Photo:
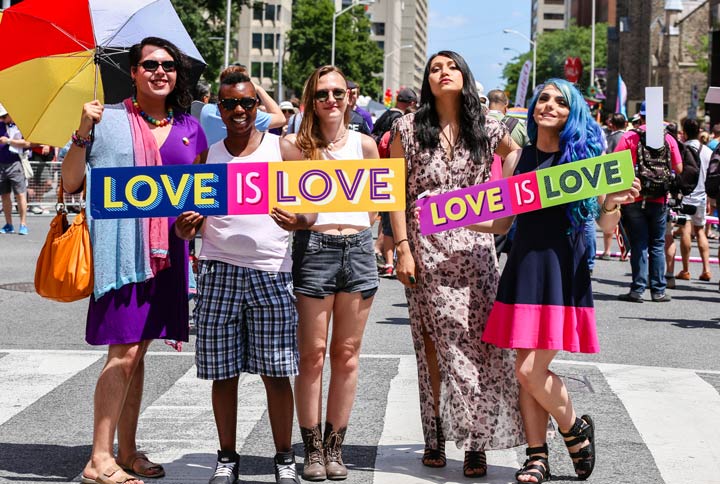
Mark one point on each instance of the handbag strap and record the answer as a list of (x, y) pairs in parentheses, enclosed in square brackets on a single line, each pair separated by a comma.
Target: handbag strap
[(61, 194)]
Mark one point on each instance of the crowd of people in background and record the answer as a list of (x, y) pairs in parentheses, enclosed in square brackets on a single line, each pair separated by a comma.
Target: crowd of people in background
[(270, 286)]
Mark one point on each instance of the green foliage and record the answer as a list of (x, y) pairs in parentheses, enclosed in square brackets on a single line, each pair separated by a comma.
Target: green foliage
[(309, 43), (700, 54), (552, 50), (204, 19)]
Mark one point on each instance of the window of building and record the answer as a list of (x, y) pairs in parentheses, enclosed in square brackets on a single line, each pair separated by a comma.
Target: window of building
[(270, 41), (554, 2), (554, 16), (381, 44), (257, 11), (378, 28), (269, 12), (255, 69), (257, 41), (268, 69)]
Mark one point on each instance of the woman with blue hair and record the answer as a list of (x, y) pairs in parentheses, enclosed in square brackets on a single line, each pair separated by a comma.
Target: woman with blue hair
[(544, 302)]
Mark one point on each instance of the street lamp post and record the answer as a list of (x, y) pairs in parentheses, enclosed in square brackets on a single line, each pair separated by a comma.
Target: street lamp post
[(228, 21), (592, 48), (534, 46), (335, 16), (387, 56)]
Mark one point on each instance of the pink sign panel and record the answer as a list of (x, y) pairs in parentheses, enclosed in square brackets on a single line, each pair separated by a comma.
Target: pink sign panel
[(247, 187)]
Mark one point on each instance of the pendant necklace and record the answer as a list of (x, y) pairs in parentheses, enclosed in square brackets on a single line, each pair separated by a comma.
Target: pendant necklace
[(331, 144), (450, 145)]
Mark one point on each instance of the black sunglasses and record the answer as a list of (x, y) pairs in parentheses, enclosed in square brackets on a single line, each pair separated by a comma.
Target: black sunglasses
[(247, 103), (323, 94), (152, 65)]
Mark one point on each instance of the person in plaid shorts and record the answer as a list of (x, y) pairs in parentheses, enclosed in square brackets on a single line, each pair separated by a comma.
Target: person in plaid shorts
[(245, 313)]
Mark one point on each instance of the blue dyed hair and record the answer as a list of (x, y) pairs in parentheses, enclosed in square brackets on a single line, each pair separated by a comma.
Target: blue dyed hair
[(580, 138)]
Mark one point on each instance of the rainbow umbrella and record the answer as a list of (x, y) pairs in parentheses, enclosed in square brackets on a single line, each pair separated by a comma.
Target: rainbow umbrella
[(517, 112), (67, 53)]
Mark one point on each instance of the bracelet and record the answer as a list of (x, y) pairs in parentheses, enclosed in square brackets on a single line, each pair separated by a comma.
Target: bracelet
[(604, 209), (400, 242), (80, 141)]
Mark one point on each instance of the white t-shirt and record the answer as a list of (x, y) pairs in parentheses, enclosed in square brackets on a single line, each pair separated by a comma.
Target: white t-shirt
[(352, 150), (698, 196), (253, 241)]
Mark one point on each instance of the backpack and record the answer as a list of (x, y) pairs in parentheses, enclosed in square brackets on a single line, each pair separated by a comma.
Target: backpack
[(690, 176), (712, 178), (653, 168), (510, 123)]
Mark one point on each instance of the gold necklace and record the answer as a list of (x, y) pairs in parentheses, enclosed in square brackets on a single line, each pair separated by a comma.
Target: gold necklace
[(331, 144)]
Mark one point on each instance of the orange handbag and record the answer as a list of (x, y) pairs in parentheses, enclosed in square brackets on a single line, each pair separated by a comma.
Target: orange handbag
[(64, 269)]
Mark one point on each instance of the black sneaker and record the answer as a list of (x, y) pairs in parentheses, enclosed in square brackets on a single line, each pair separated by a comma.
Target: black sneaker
[(285, 471), (226, 468), (664, 297), (631, 297)]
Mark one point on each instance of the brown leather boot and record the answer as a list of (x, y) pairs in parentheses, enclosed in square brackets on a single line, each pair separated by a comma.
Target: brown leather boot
[(334, 467), (314, 468)]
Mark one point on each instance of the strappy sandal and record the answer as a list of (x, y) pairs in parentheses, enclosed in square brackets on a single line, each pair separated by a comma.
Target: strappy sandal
[(436, 457), (147, 469), (475, 464), (584, 459), (115, 475), (540, 467)]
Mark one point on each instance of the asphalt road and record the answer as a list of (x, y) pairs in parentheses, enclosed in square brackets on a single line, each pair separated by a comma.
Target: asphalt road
[(45, 435)]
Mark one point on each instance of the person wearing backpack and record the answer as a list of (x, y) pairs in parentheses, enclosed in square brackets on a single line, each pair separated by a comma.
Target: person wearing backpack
[(645, 219), (693, 152)]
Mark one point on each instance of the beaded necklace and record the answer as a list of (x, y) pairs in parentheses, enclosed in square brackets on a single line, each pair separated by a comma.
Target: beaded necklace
[(157, 122)]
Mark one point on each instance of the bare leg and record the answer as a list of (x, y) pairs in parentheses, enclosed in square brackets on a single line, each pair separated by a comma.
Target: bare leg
[(128, 423), (224, 402), (110, 395), (280, 410), (685, 245), (7, 207), (607, 242), (21, 199), (703, 247), (313, 320), (350, 315), (670, 251)]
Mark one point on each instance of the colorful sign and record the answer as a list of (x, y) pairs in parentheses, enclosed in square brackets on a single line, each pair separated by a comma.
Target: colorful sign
[(527, 192), (522, 87), (248, 188)]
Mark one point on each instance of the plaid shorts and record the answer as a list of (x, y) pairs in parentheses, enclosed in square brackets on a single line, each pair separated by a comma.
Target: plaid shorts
[(246, 322)]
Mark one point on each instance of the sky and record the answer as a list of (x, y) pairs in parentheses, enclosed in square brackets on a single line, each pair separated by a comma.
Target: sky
[(474, 29)]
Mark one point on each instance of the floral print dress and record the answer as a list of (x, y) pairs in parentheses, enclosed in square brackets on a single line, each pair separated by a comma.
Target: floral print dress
[(458, 277)]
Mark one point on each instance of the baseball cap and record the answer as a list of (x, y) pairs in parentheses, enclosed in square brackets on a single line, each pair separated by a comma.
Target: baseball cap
[(642, 109), (351, 84), (3, 111), (287, 105), (407, 95)]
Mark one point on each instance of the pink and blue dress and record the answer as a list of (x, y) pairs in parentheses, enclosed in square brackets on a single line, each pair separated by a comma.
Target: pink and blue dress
[(544, 300)]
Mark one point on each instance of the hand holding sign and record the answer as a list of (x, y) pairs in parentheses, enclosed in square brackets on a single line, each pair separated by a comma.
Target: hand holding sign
[(187, 224)]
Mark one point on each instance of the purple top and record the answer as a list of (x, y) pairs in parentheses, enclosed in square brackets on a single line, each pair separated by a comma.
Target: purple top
[(157, 308), (366, 116)]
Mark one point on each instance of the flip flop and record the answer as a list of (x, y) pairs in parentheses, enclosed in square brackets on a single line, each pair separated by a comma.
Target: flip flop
[(146, 469), (120, 477), (86, 480)]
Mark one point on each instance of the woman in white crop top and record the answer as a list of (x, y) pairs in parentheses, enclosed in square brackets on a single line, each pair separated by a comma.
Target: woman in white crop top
[(334, 275)]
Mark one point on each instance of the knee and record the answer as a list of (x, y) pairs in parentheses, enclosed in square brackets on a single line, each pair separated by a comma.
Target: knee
[(127, 359), (312, 361), (276, 384), (526, 375), (344, 358)]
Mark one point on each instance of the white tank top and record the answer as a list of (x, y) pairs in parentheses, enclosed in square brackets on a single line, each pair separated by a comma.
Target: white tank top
[(253, 241), (352, 150)]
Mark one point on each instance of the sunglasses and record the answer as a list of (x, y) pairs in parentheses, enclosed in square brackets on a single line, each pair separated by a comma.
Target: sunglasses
[(290, 111), (152, 65), (323, 94), (247, 103)]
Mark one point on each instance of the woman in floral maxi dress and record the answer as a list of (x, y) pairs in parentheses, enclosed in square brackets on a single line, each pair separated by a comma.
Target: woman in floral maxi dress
[(468, 391)]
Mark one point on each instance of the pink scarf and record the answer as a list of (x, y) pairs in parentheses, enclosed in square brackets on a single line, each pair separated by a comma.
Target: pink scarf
[(146, 153)]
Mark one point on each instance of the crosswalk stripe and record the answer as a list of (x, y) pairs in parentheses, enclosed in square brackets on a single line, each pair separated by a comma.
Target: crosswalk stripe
[(26, 377), (401, 443), (676, 413)]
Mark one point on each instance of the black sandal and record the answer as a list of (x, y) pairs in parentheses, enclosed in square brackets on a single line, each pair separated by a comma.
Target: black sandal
[(475, 464), (540, 470), (584, 459), (432, 456)]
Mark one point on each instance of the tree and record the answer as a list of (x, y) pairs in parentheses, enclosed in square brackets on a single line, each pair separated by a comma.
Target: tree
[(700, 53), (552, 50), (310, 39), (205, 22)]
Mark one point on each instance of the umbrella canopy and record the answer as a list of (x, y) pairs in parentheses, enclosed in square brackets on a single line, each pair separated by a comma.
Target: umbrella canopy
[(67, 53)]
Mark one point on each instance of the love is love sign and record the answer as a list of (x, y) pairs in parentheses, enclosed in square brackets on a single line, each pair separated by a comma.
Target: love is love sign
[(248, 188), (518, 194)]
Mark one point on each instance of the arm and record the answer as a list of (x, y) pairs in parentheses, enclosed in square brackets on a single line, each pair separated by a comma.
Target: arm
[(405, 268), (18, 143), (277, 118), (504, 148), (73, 166), (675, 156), (500, 225)]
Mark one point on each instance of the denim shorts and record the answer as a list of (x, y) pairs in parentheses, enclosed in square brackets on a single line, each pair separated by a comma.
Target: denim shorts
[(326, 264)]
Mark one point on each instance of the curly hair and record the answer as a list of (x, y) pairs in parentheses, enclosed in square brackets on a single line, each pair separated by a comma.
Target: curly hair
[(580, 138), (472, 116), (181, 97)]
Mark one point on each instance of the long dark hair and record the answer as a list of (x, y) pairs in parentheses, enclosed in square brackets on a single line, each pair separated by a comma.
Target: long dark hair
[(472, 119), (181, 97)]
